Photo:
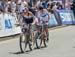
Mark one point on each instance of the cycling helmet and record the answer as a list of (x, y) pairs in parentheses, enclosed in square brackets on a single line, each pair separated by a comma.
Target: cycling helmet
[(41, 7), (22, 10)]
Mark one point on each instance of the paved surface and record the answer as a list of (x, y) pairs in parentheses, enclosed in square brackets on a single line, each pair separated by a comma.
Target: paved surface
[(62, 44)]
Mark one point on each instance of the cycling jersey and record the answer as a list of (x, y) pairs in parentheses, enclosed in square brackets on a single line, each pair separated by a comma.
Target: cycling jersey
[(28, 20), (43, 16)]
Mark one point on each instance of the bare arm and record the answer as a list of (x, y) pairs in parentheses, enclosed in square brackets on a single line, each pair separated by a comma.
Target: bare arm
[(48, 17), (32, 15)]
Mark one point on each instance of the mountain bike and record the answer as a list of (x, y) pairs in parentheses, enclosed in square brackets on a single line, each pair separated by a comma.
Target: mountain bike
[(25, 39), (40, 35)]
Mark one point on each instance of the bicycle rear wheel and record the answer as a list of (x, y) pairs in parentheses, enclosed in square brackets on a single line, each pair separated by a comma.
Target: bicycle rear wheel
[(43, 40)]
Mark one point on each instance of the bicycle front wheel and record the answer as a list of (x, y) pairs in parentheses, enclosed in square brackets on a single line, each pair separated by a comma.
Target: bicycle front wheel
[(22, 42), (37, 39)]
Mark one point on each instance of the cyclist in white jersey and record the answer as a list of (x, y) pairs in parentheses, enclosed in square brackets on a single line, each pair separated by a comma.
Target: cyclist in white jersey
[(43, 16)]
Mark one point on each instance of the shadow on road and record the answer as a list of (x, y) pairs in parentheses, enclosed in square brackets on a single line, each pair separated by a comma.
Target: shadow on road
[(16, 52), (27, 52), (19, 52), (40, 48)]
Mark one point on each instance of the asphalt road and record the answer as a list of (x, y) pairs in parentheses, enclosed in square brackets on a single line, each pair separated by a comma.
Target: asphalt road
[(61, 44)]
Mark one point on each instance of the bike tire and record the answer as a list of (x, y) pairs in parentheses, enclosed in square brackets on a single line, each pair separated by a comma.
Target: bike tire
[(23, 43), (42, 40), (37, 40), (29, 42)]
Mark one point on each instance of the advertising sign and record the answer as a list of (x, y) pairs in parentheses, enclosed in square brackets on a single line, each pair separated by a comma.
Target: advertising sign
[(66, 16), (7, 25)]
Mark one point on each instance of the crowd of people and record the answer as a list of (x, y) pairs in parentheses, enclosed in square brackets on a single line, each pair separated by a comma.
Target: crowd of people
[(18, 5)]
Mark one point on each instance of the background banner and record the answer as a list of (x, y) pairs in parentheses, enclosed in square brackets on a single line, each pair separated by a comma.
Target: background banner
[(7, 25), (66, 16)]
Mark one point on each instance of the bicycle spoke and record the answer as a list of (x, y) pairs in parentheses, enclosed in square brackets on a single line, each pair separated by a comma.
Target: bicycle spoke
[(23, 42)]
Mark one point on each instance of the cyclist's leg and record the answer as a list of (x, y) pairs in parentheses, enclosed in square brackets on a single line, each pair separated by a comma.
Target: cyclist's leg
[(32, 35), (46, 31), (31, 31)]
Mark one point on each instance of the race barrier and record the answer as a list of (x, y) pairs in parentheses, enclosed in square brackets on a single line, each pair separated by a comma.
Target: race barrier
[(7, 25), (67, 17), (52, 21)]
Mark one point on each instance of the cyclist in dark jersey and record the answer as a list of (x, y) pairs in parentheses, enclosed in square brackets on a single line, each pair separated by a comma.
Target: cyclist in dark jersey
[(27, 18)]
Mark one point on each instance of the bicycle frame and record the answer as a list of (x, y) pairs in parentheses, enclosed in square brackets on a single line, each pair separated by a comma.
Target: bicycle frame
[(43, 27), (26, 32)]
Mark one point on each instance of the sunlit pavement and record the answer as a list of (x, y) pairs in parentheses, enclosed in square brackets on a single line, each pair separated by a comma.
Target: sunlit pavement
[(61, 44)]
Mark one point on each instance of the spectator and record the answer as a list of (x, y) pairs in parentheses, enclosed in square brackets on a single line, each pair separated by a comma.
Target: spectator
[(12, 6), (5, 5), (49, 7), (0, 11), (54, 7), (29, 3), (59, 6), (39, 3), (1, 5), (56, 13), (73, 6), (22, 4), (46, 3), (50, 2)]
